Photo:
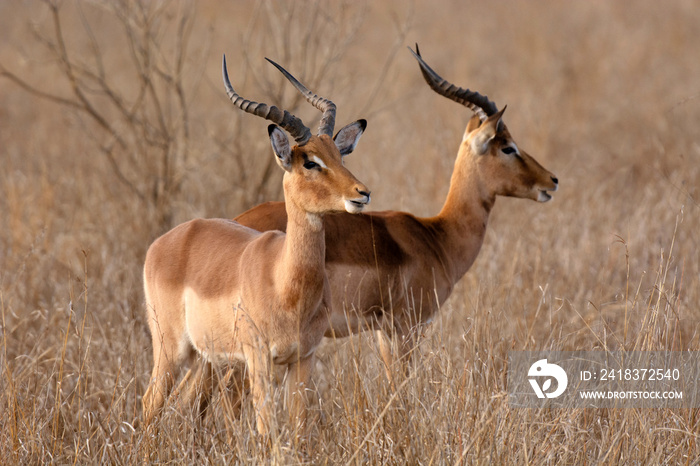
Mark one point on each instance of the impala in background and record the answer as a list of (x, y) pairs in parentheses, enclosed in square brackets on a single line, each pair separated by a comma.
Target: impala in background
[(392, 270)]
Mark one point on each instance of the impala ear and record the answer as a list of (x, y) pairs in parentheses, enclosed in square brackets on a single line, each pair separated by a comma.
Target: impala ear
[(281, 147), (486, 132), (347, 138), (473, 124)]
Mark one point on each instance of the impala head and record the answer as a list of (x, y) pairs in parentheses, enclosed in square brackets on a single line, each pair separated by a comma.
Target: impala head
[(508, 170), (315, 178)]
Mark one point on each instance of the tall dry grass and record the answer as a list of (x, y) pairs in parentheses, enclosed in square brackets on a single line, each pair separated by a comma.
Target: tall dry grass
[(604, 94)]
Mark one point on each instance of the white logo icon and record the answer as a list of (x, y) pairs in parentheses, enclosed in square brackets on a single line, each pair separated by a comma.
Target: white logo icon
[(542, 368)]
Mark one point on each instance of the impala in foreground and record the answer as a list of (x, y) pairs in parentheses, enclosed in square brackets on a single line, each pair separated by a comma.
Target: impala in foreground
[(235, 295)]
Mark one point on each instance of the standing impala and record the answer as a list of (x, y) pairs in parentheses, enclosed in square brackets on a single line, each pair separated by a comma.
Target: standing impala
[(391, 271), (230, 293)]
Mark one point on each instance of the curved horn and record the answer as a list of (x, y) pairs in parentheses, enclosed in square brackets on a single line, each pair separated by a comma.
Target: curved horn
[(326, 106), (479, 104), (293, 125)]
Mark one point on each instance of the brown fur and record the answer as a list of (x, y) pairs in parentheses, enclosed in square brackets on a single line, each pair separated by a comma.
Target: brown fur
[(230, 293)]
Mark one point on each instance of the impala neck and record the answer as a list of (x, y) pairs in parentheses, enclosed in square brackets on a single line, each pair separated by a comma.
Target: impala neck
[(304, 253), (464, 216)]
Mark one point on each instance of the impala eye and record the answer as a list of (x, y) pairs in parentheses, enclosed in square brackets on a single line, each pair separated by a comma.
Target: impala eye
[(310, 165), (509, 150)]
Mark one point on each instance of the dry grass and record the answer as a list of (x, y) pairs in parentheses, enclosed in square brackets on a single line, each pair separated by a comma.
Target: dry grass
[(604, 94)]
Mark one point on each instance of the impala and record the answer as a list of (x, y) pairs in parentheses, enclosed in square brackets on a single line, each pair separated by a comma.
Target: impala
[(230, 293), (390, 271)]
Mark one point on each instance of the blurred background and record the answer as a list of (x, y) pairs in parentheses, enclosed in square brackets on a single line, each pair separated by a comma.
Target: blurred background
[(115, 127)]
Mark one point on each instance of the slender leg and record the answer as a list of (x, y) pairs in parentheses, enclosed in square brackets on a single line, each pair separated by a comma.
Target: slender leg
[(387, 354), (162, 380), (258, 362), (201, 381), (397, 348), (192, 373), (232, 387), (298, 380), (197, 388)]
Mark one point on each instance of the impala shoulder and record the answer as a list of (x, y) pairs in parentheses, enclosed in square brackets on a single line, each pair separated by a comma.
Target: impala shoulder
[(414, 234), (199, 226), (401, 222), (174, 240), (263, 244)]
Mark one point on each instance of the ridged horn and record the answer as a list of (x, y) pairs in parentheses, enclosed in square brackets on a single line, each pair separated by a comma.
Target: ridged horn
[(479, 104), (326, 106), (293, 125)]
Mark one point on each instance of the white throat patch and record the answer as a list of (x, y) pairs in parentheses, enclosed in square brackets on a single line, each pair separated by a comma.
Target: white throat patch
[(314, 220)]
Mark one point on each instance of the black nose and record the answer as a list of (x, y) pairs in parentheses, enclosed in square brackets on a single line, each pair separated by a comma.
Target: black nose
[(556, 180), (364, 193)]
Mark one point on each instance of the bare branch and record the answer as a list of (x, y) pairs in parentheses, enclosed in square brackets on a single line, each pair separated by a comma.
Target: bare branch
[(36, 92), (403, 27)]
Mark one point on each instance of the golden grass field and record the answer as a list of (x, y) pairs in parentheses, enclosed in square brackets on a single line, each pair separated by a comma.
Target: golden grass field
[(604, 94)]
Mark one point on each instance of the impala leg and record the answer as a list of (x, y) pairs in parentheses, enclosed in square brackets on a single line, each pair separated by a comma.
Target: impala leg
[(182, 387), (258, 363), (196, 389), (165, 369), (387, 354), (233, 386), (298, 379), (184, 382), (396, 348)]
